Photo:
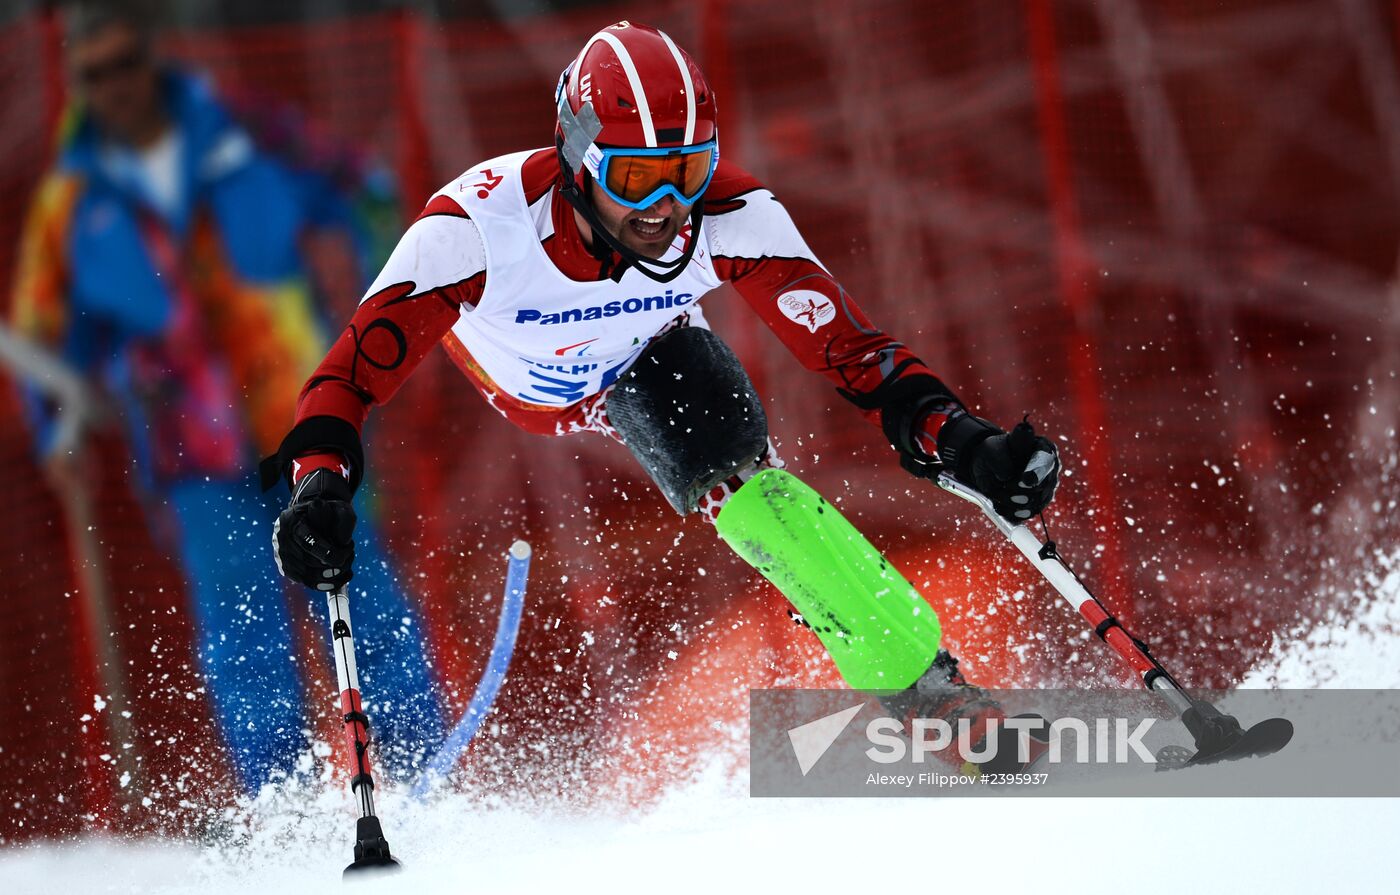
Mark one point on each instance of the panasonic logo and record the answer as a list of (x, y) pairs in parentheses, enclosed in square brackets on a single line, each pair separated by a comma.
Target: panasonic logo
[(611, 309)]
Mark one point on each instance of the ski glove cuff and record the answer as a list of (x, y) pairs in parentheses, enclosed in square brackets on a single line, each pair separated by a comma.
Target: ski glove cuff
[(1017, 470), (906, 404), (315, 434), (312, 539)]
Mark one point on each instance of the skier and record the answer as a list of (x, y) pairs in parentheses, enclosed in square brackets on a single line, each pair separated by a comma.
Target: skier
[(566, 284)]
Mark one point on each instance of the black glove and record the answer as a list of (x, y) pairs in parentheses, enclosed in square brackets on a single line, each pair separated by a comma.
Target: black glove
[(312, 538), (1018, 470)]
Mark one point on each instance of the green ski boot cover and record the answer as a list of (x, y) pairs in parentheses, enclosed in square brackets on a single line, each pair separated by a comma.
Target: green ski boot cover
[(878, 629)]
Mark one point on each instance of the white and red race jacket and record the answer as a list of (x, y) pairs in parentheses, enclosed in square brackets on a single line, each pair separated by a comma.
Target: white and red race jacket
[(539, 336), (496, 271)]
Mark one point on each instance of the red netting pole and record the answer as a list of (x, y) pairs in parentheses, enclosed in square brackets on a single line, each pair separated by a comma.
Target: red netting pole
[(1397, 27), (1074, 278), (54, 86), (718, 65), (717, 61), (415, 161)]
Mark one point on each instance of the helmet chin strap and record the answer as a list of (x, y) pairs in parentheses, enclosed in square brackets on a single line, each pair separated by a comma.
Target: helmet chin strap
[(652, 268)]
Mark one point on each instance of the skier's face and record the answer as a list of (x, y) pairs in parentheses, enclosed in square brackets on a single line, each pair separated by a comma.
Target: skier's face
[(649, 232)]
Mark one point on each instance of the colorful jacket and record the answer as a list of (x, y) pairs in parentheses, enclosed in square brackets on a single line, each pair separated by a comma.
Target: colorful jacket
[(201, 324)]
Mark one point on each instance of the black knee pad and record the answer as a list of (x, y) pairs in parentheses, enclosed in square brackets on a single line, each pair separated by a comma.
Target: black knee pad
[(689, 414)]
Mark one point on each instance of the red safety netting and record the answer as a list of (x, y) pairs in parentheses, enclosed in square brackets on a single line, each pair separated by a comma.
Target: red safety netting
[(1167, 230)]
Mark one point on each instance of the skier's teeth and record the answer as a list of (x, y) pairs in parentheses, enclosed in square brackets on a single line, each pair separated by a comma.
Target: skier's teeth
[(651, 220)]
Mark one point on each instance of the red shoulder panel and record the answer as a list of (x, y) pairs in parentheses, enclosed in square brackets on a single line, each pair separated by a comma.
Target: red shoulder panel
[(539, 174), (441, 205), (730, 182)]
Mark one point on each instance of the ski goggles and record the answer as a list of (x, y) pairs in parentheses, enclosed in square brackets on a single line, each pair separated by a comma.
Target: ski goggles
[(638, 178)]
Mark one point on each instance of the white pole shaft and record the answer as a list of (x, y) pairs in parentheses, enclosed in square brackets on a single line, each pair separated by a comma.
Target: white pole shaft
[(348, 679), (1025, 541), (1064, 583), (343, 641)]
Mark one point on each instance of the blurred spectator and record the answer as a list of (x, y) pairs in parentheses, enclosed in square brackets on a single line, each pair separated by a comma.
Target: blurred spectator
[(163, 259)]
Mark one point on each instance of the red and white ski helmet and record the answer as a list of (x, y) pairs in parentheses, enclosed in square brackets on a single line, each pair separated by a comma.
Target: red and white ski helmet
[(630, 86)]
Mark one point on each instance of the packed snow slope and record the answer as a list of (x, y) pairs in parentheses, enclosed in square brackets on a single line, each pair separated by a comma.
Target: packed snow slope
[(707, 835)]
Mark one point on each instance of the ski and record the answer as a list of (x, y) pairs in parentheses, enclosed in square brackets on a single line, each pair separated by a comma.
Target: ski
[(1264, 738)]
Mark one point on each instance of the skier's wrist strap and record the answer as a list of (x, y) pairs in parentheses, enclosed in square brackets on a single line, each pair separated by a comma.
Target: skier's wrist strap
[(959, 439), (903, 402), (315, 433)]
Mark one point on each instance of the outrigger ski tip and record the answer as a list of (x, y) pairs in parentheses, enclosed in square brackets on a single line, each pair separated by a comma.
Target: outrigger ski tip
[(1264, 738), (370, 867), (372, 857)]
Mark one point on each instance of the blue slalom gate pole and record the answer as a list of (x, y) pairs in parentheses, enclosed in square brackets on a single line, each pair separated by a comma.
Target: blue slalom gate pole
[(517, 572)]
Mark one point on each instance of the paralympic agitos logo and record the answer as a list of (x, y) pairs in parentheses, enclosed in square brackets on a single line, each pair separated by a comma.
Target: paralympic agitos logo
[(610, 309)]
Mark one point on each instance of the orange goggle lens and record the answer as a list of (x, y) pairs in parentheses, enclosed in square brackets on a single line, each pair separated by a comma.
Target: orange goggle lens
[(633, 178)]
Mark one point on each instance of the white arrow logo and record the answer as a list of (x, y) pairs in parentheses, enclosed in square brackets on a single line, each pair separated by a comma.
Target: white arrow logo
[(811, 740)]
